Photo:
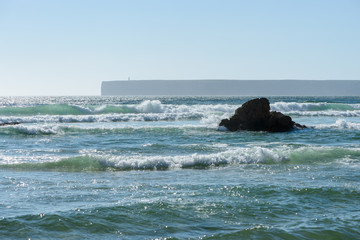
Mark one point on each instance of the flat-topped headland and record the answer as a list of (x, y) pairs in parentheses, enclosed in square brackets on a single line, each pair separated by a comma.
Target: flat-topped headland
[(231, 87)]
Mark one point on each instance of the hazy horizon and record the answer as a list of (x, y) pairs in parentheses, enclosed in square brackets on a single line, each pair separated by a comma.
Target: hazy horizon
[(70, 47), (225, 87)]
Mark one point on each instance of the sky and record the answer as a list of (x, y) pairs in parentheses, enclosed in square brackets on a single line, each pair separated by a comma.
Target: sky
[(69, 47)]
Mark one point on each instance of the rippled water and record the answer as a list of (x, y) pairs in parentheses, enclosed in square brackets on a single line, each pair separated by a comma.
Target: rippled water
[(148, 168)]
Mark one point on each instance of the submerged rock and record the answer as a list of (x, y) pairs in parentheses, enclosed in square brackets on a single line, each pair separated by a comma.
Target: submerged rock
[(255, 115), (7, 124)]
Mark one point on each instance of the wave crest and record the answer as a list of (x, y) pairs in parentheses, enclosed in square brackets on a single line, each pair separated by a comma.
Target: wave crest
[(340, 124), (237, 156), (296, 106)]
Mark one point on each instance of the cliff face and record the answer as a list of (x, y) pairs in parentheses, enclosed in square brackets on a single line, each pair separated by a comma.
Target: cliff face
[(231, 87)]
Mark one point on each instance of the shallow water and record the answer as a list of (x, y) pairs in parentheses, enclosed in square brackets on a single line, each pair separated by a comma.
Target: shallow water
[(147, 168)]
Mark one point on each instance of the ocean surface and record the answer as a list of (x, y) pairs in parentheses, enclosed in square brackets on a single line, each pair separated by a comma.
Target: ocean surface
[(159, 168)]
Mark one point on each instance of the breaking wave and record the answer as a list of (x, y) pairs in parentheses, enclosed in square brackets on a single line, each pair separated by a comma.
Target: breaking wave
[(147, 106), (317, 109), (340, 124), (295, 106), (148, 110), (206, 124), (237, 156), (155, 110), (49, 129)]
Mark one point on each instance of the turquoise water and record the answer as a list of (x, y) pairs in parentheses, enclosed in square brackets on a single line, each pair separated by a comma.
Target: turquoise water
[(156, 168)]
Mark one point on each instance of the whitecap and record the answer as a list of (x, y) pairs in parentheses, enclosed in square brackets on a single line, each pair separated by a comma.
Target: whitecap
[(150, 106), (340, 124), (38, 130)]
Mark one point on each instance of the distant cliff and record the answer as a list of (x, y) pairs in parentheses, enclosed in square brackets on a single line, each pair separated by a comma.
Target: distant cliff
[(231, 87)]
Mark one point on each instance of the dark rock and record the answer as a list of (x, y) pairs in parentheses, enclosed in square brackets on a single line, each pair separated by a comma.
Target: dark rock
[(299, 126), (7, 124), (279, 122), (255, 115)]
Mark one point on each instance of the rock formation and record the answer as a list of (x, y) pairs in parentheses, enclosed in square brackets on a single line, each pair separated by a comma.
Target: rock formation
[(255, 115)]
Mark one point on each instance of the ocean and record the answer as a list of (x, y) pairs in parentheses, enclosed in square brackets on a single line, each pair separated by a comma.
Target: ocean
[(160, 168)]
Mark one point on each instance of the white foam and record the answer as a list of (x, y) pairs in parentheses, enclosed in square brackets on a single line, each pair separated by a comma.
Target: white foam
[(154, 110), (218, 108), (100, 109), (330, 113), (150, 106), (340, 124), (317, 109), (212, 120), (37, 130), (294, 106), (232, 156), (112, 117), (148, 110), (82, 109)]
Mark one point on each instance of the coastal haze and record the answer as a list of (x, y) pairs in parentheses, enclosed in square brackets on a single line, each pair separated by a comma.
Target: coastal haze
[(231, 88)]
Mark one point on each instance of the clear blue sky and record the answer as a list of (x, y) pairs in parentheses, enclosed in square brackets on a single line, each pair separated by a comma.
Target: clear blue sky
[(68, 47)]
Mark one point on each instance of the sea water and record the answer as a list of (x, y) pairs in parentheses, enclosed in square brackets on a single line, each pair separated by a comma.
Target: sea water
[(160, 168)]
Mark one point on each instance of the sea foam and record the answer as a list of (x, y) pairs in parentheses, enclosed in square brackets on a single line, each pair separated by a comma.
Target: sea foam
[(155, 110), (150, 106), (340, 124), (298, 106), (317, 109), (235, 156)]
